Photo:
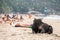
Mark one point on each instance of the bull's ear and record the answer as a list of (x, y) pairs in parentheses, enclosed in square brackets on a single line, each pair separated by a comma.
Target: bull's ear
[(40, 20), (34, 20)]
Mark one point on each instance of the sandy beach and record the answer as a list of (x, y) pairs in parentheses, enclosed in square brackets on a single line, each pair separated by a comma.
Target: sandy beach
[(29, 19), (8, 32)]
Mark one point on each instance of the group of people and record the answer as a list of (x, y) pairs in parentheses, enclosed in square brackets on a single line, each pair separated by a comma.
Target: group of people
[(26, 21), (17, 19)]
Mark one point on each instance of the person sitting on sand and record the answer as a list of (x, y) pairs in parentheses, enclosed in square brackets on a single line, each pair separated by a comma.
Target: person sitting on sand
[(8, 20), (13, 16), (1, 20), (21, 18), (29, 16)]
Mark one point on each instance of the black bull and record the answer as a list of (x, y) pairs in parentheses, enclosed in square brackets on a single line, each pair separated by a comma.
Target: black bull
[(41, 27)]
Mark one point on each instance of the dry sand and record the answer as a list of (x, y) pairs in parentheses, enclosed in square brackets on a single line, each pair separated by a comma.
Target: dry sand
[(55, 24), (8, 32)]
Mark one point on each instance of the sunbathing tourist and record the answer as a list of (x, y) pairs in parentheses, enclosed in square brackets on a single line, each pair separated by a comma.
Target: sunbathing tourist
[(1, 21), (7, 19), (29, 16), (21, 18)]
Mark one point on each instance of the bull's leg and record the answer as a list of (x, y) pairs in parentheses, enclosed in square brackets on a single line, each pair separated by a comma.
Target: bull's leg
[(42, 30), (50, 30), (33, 32)]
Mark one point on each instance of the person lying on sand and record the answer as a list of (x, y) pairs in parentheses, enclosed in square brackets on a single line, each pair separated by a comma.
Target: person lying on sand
[(22, 25)]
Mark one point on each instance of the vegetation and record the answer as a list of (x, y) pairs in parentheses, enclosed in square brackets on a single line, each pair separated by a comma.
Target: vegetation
[(23, 6)]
